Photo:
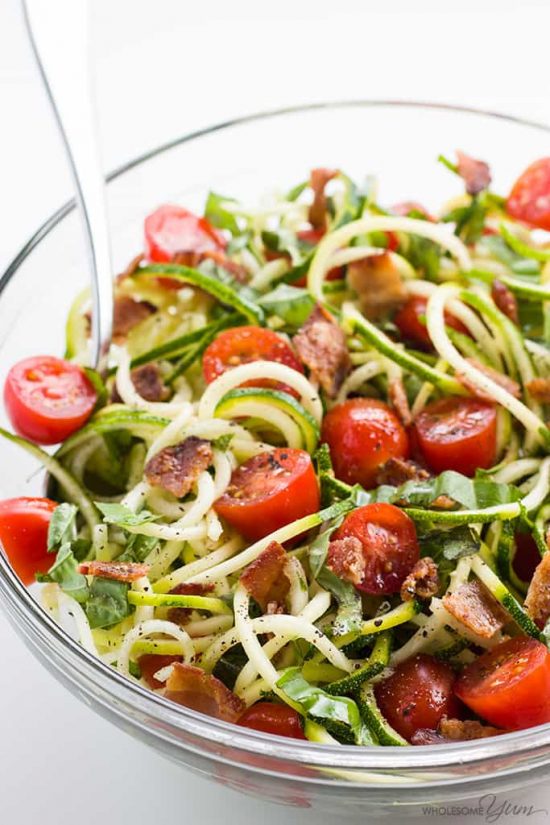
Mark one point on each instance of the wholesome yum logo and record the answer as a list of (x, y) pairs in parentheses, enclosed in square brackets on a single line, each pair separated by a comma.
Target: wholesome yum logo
[(490, 808)]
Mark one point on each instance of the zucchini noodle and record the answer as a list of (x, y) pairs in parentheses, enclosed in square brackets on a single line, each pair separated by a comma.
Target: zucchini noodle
[(146, 629)]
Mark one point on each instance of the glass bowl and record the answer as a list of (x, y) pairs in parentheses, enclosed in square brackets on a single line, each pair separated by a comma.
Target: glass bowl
[(399, 143)]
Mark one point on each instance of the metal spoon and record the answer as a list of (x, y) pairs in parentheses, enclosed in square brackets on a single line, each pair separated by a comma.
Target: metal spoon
[(58, 31)]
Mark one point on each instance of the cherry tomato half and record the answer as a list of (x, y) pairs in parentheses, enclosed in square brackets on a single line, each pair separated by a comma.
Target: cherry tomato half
[(509, 686), (362, 434), (529, 200), (410, 321), (269, 717), (269, 491), (151, 663), (417, 695), (47, 399), (172, 229), (457, 434), (390, 546), (24, 526), (241, 345)]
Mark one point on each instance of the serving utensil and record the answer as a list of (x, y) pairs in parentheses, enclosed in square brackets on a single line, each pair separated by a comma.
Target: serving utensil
[(58, 31)]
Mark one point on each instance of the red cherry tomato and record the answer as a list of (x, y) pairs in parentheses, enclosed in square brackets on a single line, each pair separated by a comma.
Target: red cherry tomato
[(47, 399), (417, 695), (151, 663), (172, 229), (410, 321), (242, 345), (457, 434), (529, 200), (362, 434), (268, 717), (390, 546), (24, 526), (509, 686), (269, 491), (526, 556)]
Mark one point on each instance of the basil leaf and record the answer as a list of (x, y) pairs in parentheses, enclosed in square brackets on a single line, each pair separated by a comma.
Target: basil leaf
[(349, 616), (62, 525), (218, 215), (138, 547), (451, 544), (108, 602), (81, 548), (222, 442), (341, 711), (123, 516), (292, 304), (65, 572), (498, 247), (283, 240), (470, 493)]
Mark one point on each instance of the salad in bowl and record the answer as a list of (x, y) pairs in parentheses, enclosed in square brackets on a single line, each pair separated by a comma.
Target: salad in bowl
[(309, 493)]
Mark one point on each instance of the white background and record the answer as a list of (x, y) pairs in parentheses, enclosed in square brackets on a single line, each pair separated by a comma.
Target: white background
[(164, 67)]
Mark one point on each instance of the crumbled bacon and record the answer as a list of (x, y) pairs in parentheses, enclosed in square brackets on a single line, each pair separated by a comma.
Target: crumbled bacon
[(194, 688), (127, 314), (399, 401), (474, 607), (151, 663), (177, 468), (120, 571), (475, 173), (131, 269), (537, 600), (443, 502), (422, 582), (505, 300), (462, 730), (397, 471), (346, 559), (427, 736), (499, 378), (318, 209), (192, 259), (148, 382), (539, 389), (321, 345), (454, 730), (180, 615), (265, 578), (378, 284)]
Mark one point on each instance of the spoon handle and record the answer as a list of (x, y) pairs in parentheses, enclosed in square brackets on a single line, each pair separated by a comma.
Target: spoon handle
[(58, 31)]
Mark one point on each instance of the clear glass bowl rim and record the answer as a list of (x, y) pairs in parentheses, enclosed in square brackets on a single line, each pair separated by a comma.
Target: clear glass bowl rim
[(168, 715)]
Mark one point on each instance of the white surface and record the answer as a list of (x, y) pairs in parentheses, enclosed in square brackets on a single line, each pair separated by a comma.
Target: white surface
[(165, 67)]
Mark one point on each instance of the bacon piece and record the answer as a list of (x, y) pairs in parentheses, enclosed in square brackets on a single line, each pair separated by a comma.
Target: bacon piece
[(505, 300), (192, 259), (318, 209), (131, 269), (346, 559), (151, 663), (475, 173), (192, 687), (499, 378), (399, 401), (397, 471), (464, 730), (537, 600), (454, 730), (443, 502), (539, 389), (180, 615), (148, 382), (321, 345), (422, 582), (474, 607), (265, 579), (378, 284), (120, 571), (427, 736), (177, 468), (127, 314)]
